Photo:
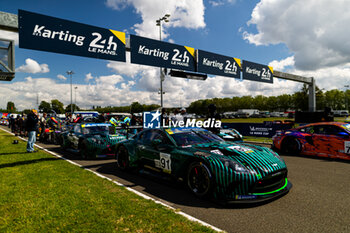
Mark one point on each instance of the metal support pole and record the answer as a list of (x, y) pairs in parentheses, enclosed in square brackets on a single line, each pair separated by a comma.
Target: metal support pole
[(71, 91), (160, 69), (71, 95), (312, 96), (161, 75)]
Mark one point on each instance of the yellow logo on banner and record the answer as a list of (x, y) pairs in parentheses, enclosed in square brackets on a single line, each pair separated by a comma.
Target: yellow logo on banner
[(271, 69), (190, 50), (238, 61), (119, 35)]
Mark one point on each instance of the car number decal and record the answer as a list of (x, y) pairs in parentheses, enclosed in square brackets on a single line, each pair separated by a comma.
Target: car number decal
[(164, 162), (347, 147), (241, 149), (217, 152)]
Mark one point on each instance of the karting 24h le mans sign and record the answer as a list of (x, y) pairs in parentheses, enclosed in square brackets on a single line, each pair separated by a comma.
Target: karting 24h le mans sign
[(211, 63), (257, 72), (150, 52), (41, 32)]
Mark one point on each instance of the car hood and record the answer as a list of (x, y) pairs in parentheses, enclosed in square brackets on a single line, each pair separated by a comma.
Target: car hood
[(253, 157)]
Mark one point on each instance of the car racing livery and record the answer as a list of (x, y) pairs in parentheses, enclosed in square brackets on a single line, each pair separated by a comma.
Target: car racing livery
[(230, 135), (326, 139), (210, 166), (92, 140)]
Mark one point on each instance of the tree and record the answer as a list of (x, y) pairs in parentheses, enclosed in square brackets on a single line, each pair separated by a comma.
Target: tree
[(44, 106), (136, 107), (57, 106), (11, 107), (284, 102), (75, 108)]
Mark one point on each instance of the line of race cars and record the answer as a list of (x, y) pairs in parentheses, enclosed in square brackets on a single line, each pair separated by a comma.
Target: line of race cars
[(229, 171), (219, 165)]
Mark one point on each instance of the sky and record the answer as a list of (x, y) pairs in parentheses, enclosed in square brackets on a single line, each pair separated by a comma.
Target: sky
[(308, 38)]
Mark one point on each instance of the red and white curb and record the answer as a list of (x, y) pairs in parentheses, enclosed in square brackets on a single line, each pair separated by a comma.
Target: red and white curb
[(189, 217)]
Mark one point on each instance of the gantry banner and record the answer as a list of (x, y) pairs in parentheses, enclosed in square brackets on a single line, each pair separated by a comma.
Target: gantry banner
[(211, 63), (46, 33), (157, 53), (257, 72)]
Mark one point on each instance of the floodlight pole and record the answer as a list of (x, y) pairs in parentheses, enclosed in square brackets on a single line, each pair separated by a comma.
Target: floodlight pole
[(75, 101), (159, 23), (71, 91)]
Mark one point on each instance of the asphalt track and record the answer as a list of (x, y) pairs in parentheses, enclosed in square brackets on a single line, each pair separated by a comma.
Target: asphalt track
[(318, 202)]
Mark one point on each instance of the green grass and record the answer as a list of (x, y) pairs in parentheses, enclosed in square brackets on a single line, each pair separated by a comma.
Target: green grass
[(39, 193), (257, 139)]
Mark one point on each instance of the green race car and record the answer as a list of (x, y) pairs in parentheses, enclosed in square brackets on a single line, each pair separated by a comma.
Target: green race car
[(209, 166), (91, 140)]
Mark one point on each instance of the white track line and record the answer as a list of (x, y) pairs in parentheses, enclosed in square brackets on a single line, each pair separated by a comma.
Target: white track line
[(189, 217)]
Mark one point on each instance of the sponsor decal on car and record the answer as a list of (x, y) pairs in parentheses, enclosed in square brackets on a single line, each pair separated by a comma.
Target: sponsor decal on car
[(347, 147), (164, 162), (242, 197), (240, 148)]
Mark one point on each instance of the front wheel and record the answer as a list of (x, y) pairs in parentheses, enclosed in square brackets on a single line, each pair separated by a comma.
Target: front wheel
[(122, 157), (199, 179), (291, 146)]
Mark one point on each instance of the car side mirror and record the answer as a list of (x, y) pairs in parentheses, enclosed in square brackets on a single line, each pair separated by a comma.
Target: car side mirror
[(156, 142)]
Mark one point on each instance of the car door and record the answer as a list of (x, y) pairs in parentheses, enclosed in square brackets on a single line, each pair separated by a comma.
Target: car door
[(142, 148), (320, 140), (74, 136), (157, 149)]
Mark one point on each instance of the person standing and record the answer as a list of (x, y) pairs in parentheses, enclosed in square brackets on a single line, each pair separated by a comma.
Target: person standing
[(43, 125), (32, 126)]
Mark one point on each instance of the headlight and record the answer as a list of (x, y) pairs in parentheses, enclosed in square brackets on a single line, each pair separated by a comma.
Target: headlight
[(95, 140), (234, 166)]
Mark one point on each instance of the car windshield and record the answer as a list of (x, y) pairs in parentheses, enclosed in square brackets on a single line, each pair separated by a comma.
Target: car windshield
[(347, 127), (193, 137), (103, 129)]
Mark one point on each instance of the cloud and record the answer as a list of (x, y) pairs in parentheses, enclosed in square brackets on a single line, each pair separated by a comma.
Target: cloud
[(105, 92), (315, 31), (126, 68), (221, 2), (33, 67), (117, 4), (282, 64), (115, 90), (88, 77), (186, 13), (327, 78), (61, 77)]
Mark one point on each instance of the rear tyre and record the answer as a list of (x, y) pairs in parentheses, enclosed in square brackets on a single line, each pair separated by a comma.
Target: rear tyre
[(291, 146), (199, 179), (122, 157)]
